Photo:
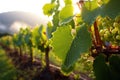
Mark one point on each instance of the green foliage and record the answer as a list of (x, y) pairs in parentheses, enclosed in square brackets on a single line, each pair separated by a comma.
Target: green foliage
[(91, 10), (115, 67), (55, 21), (68, 2), (52, 1), (49, 30), (36, 35), (89, 16), (27, 37), (68, 47), (49, 8), (111, 9), (66, 12), (85, 65), (107, 71), (61, 41), (7, 70), (80, 44), (39, 37), (68, 21), (18, 39), (101, 69), (63, 37)]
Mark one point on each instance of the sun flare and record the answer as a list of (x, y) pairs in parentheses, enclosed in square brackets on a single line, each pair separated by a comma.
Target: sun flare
[(34, 6)]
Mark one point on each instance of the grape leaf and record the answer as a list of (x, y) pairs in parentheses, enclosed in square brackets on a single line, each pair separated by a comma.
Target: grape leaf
[(52, 1), (115, 67), (66, 70), (27, 37), (80, 44), (19, 40), (55, 20), (90, 11), (61, 41), (49, 30), (72, 23), (49, 8), (66, 13), (36, 36), (67, 20), (115, 62), (90, 16), (111, 9), (68, 2), (101, 69)]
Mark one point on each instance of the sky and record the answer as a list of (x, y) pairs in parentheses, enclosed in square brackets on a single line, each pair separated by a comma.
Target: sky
[(34, 6)]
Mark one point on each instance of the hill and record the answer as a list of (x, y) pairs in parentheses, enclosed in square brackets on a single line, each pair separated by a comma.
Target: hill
[(11, 21)]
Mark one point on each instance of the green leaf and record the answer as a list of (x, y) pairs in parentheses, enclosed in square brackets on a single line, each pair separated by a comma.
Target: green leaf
[(19, 40), (91, 5), (27, 37), (80, 44), (55, 21), (72, 23), (36, 36), (115, 63), (111, 9), (67, 20), (52, 1), (68, 2), (61, 41), (90, 11), (115, 67), (49, 30), (101, 69), (66, 70), (49, 8), (90, 16), (66, 13)]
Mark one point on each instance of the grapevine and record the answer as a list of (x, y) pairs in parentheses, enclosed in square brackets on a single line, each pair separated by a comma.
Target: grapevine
[(94, 32)]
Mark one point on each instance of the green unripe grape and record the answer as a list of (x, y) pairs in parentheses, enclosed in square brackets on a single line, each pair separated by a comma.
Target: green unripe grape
[(105, 30), (101, 32), (103, 24), (115, 24), (111, 28), (102, 38), (119, 32), (106, 36), (117, 19), (108, 33), (118, 37), (114, 31)]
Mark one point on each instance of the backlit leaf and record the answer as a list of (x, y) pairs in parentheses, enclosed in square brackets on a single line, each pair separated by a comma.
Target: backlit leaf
[(80, 44), (61, 41)]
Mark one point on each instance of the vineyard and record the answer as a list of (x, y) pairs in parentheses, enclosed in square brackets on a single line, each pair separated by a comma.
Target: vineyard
[(83, 46)]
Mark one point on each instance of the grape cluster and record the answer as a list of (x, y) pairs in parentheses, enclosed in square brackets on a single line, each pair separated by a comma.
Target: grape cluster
[(109, 30)]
